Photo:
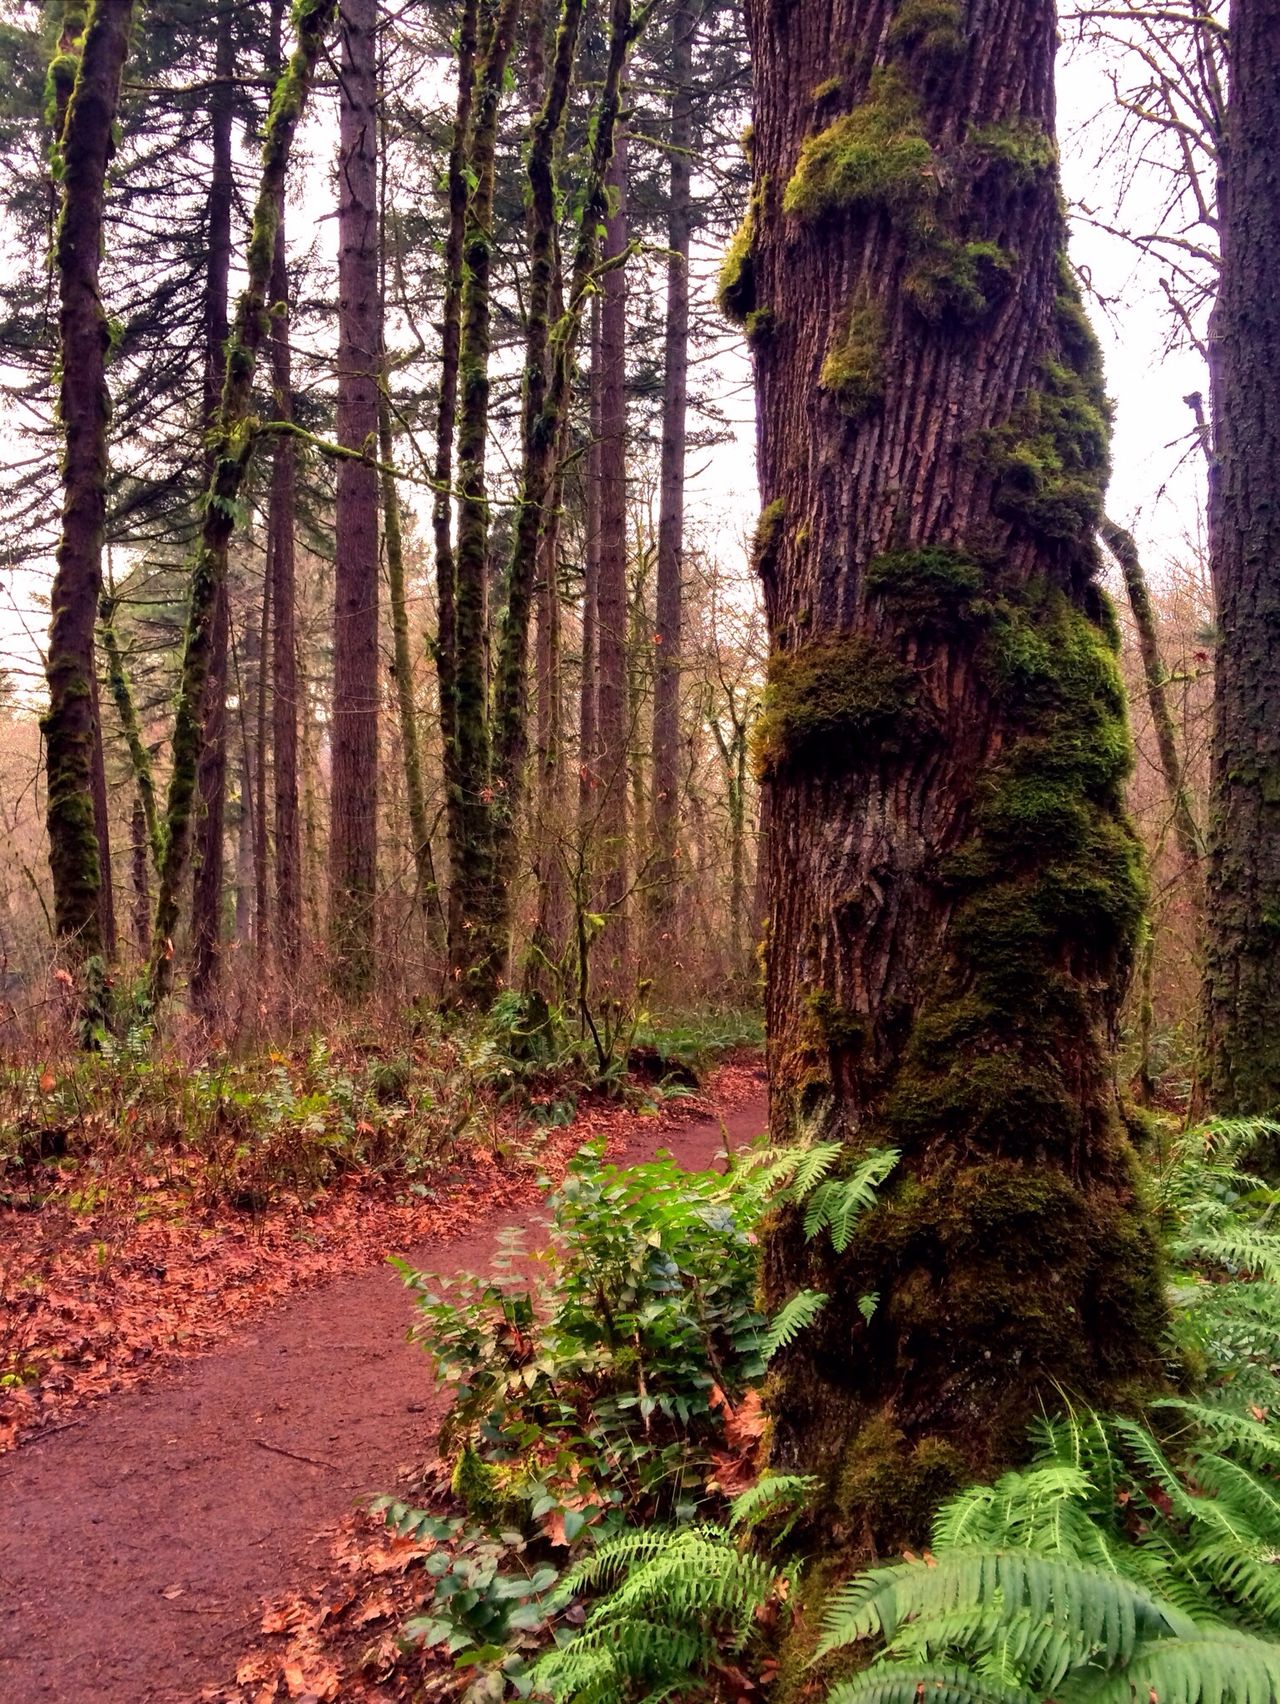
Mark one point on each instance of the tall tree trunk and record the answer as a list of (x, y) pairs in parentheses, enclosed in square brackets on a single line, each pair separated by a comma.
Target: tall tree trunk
[(1243, 913), (85, 146), (446, 420), (261, 886), (211, 775), (141, 893), (102, 826), (675, 398), (232, 448), (287, 921), (353, 814), (122, 696), (548, 379), (472, 961), (611, 592), (588, 754), (552, 920), (955, 887)]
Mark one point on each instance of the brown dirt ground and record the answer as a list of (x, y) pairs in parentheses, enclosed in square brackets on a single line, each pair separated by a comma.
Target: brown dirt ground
[(137, 1547)]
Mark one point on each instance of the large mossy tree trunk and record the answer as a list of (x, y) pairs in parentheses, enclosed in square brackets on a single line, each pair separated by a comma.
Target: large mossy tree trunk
[(955, 887), (1243, 912), (353, 817), (84, 145)]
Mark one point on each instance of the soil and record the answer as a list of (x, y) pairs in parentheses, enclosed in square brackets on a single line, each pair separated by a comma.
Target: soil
[(138, 1544)]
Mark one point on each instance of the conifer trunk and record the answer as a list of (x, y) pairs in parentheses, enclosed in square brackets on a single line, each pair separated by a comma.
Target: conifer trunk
[(955, 887), (588, 754), (446, 420), (287, 919), (211, 779), (612, 730), (232, 448), (675, 402), (472, 947), (1243, 913), (70, 726), (102, 826), (353, 815)]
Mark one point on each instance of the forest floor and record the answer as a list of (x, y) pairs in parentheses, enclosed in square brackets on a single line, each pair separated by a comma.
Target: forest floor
[(177, 1504)]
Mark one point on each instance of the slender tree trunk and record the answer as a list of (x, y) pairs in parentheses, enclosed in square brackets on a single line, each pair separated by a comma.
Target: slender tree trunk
[(472, 961), (446, 418), (551, 925), (588, 754), (353, 814), (287, 923), (211, 777), (670, 591), (955, 887), (261, 888), (102, 827), (548, 377), (126, 710), (611, 592), (232, 448), (141, 892), (1243, 913), (1185, 828), (70, 725)]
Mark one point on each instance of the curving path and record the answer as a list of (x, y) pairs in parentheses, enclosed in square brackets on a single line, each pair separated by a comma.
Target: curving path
[(136, 1547)]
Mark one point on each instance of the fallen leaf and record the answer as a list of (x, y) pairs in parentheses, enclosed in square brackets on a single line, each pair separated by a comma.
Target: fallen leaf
[(172, 1592)]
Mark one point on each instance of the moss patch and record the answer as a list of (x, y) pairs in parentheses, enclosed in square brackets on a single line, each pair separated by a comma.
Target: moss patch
[(959, 282), (1019, 153), (836, 704), (767, 543), (853, 372), (929, 32), (736, 286), (1052, 460), (930, 589), (875, 157)]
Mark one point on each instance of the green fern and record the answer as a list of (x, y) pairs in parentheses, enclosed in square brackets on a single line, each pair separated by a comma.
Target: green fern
[(836, 1204), (792, 1318), (773, 1494)]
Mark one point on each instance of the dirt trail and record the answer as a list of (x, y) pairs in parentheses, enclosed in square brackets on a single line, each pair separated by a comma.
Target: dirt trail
[(135, 1548)]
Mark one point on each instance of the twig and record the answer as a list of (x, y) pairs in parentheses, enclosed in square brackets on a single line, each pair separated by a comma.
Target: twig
[(295, 1455)]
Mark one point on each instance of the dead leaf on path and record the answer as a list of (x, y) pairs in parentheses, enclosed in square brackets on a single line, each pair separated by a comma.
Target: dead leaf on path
[(257, 1666), (172, 1592), (374, 1608), (287, 1615)]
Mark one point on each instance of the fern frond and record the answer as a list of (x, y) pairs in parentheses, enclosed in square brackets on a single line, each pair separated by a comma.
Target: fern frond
[(770, 1495), (1100, 1610), (1198, 1668), (939, 1683), (837, 1203), (812, 1165), (792, 1318), (1252, 1440)]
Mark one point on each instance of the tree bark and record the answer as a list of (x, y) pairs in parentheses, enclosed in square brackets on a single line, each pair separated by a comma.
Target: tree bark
[(102, 826), (232, 448), (211, 776), (353, 819), (612, 731), (472, 965), (955, 887), (588, 687), (141, 892), (446, 420), (1243, 911), (70, 729), (675, 399), (261, 848)]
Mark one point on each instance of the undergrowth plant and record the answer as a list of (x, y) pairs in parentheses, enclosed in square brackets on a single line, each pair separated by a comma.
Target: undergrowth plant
[(1132, 1562)]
